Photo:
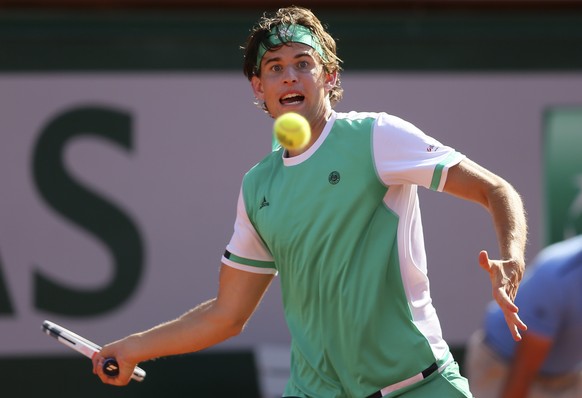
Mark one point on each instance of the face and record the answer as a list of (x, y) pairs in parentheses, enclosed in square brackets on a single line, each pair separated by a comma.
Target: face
[(293, 79)]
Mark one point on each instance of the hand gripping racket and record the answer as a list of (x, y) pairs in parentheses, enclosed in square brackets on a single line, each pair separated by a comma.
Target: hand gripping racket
[(87, 348)]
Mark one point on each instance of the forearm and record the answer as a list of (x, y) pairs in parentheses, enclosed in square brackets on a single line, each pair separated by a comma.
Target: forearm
[(508, 214), (529, 356), (470, 181), (522, 372), (207, 324), (197, 329), (515, 388)]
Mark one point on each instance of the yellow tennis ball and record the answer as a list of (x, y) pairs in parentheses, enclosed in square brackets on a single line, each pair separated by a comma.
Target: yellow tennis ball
[(292, 131)]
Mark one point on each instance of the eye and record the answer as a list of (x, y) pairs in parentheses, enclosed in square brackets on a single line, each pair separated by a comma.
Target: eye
[(303, 64), (276, 68)]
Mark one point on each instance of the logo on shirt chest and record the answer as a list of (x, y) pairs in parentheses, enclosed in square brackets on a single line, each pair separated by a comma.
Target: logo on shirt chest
[(334, 177), (264, 203)]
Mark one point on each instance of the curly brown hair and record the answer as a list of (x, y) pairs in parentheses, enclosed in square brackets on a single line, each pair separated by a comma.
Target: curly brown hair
[(292, 16)]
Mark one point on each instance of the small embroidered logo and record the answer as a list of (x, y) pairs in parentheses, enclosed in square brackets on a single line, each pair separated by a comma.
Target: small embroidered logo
[(264, 203), (334, 177)]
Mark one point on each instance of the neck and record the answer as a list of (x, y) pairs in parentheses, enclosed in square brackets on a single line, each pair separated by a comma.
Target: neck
[(317, 127)]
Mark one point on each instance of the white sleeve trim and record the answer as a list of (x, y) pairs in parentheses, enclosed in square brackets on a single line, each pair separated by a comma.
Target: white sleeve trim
[(248, 268)]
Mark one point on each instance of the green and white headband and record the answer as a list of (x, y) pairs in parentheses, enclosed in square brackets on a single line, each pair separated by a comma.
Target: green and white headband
[(295, 33)]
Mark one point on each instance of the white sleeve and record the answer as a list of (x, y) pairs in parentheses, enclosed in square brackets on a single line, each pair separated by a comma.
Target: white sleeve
[(403, 154), (246, 250)]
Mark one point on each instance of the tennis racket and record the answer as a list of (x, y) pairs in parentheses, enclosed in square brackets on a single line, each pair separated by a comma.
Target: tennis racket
[(87, 348)]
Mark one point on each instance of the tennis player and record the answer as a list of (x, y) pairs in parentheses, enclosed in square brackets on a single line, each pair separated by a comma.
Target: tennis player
[(339, 222)]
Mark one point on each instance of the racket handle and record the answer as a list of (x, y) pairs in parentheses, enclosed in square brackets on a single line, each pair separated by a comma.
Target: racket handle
[(110, 367)]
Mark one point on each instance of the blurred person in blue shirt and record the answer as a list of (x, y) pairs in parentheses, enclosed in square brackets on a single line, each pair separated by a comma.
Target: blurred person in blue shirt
[(548, 361)]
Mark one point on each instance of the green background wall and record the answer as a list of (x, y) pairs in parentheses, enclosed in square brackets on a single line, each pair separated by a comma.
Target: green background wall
[(437, 40)]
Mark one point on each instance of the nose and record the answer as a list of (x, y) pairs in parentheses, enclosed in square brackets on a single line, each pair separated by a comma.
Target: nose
[(290, 76)]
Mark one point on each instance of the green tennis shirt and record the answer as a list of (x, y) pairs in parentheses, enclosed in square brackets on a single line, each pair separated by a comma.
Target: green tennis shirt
[(341, 226)]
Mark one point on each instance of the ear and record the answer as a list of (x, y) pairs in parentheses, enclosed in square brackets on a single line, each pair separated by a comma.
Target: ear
[(257, 87), (330, 81)]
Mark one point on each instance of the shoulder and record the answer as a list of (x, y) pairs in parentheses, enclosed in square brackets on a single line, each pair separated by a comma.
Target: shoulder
[(267, 162), (380, 123), (380, 118), (264, 168)]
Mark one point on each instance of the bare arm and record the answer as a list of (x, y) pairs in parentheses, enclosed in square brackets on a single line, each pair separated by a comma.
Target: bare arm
[(209, 323), (469, 181), (529, 357)]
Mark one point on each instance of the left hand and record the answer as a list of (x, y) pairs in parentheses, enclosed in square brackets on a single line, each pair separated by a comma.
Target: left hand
[(505, 276)]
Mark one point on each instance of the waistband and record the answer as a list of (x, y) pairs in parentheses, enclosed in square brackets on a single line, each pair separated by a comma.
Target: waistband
[(433, 367)]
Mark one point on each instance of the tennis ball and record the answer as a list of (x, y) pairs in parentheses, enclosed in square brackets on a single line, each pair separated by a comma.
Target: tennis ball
[(292, 131)]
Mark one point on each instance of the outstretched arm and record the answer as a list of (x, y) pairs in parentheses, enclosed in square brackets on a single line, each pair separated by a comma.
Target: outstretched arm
[(469, 181), (209, 323)]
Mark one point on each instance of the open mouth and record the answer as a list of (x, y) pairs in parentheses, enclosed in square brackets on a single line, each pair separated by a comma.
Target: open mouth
[(292, 99)]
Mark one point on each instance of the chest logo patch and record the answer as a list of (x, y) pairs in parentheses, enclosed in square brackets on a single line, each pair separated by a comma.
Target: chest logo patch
[(264, 203), (334, 177)]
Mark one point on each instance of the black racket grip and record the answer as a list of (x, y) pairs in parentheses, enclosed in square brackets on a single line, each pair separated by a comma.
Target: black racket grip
[(110, 367)]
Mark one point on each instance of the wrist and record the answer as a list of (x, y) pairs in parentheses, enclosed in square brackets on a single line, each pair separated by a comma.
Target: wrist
[(134, 349)]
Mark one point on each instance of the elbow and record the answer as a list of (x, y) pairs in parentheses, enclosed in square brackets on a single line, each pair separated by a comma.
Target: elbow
[(498, 192), (234, 327), (232, 324)]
